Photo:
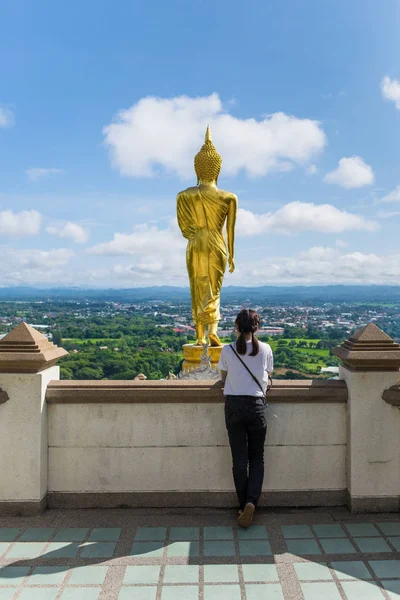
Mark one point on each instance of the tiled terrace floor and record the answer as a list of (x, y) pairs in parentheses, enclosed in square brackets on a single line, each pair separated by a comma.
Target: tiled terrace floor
[(158, 555)]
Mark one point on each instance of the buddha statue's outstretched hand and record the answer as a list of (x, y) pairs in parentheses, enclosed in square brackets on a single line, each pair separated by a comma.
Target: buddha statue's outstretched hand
[(231, 264)]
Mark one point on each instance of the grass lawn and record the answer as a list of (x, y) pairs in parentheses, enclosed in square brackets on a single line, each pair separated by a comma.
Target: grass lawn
[(314, 366), (274, 343), (313, 351), (78, 341)]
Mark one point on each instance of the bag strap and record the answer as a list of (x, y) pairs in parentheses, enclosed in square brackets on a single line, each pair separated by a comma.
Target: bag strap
[(248, 370)]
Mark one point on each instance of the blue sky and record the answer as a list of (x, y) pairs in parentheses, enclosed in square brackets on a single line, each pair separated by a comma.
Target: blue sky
[(103, 105)]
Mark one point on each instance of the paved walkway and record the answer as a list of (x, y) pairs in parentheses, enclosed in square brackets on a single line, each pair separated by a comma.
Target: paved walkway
[(158, 555)]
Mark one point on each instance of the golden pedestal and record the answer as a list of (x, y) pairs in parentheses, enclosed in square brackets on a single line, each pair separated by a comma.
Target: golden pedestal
[(192, 356)]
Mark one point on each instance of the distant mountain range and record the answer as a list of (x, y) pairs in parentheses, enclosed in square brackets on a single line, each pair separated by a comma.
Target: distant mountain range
[(303, 294)]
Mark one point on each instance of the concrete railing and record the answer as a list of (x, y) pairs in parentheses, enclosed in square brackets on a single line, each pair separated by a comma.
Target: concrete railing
[(164, 443), (71, 392)]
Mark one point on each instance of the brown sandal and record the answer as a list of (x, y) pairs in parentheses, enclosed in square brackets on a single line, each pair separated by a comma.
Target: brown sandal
[(246, 517)]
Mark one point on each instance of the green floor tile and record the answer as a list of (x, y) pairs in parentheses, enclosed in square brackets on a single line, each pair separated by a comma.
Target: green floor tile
[(8, 534), (4, 546), (365, 590), (38, 594), (301, 547), (353, 569), (26, 550), (105, 534), (385, 569), (99, 550), (219, 548), (185, 533), (36, 534), (221, 574), (186, 549), (390, 528), (139, 593), (142, 574), (297, 531), (312, 572), (81, 594), (362, 530), (48, 575), (181, 574), (183, 592), (393, 588), (395, 541), (151, 534), (88, 575), (261, 573), (329, 531), (338, 546), (271, 591), (6, 594), (373, 545), (321, 591), (76, 534), (254, 548), (220, 592), (256, 532), (147, 549), (62, 550), (13, 575), (218, 533)]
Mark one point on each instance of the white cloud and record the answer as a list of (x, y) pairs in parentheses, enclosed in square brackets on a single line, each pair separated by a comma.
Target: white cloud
[(69, 230), (6, 117), (156, 255), (34, 259), (302, 216), (341, 244), (166, 133), (34, 267), (154, 270), (149, 240), (153, 256), (320, 266), (393, 196), (391, 90), (145, 240), (26, 222), (316, 266), (352, 172), (35, 174)]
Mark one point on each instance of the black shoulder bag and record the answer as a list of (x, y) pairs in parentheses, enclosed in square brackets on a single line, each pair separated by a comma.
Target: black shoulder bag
[(254, 377)]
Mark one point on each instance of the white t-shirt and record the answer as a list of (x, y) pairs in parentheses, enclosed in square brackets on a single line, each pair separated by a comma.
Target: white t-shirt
[(238, 381)]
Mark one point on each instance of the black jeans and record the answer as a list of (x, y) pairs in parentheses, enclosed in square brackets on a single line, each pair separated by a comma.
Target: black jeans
[(246, 422)]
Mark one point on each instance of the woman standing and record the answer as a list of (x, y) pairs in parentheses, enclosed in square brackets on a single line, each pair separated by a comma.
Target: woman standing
[(245, 366)]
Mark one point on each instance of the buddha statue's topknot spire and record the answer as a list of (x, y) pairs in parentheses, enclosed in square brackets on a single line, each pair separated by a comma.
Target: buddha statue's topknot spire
[(207, 162)]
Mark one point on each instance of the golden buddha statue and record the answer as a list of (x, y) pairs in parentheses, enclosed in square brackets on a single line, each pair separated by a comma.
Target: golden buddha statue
[(202, 212)]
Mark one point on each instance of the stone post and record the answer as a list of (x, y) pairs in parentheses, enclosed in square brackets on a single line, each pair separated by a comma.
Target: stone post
[(371, 367), (27, 360)]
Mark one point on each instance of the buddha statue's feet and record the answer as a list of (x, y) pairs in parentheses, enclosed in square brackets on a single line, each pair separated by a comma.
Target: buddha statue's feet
[(200, 342), (214, 340)]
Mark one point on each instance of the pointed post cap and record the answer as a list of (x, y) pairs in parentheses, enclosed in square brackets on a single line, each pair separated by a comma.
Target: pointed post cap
[(369, 349), (26, 350), (140, 377)]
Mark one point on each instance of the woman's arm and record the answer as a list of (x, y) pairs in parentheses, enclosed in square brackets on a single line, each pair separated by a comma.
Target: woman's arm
[(223, 375)]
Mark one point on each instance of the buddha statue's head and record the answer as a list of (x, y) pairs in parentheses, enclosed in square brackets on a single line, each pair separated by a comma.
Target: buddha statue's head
[(207, 162)]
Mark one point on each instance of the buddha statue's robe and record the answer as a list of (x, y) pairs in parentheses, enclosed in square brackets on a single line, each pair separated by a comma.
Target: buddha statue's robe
[(202, 212)]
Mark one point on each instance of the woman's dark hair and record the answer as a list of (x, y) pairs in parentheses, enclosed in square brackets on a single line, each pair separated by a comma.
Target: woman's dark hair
[(247, 321)]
